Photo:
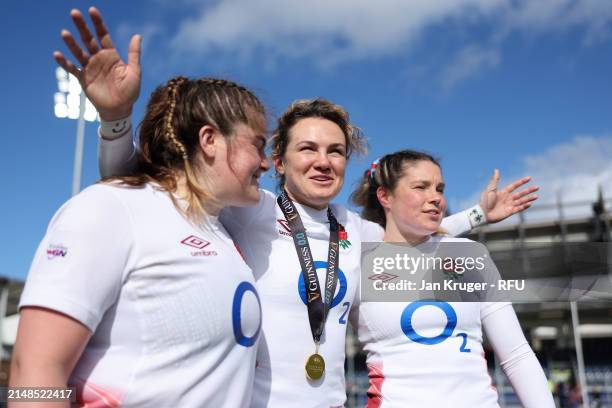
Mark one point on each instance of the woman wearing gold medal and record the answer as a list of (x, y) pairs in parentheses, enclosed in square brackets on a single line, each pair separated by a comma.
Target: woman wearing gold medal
[(305, 252), (310, 148)]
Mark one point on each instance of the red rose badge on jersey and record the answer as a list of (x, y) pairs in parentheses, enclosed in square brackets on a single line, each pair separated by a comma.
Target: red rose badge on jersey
[(343, 237)]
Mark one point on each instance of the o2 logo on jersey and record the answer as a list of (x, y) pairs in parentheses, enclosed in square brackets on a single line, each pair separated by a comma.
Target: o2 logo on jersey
[(451, 323), (239, 335), (342, 285)]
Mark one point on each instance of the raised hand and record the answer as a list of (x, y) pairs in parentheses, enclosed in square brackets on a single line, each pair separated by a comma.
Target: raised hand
[(501, 204), (111, 85)]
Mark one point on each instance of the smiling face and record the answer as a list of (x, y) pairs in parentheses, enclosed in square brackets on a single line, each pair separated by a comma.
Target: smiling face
[(416, 206), (241, 165), (314, 162)]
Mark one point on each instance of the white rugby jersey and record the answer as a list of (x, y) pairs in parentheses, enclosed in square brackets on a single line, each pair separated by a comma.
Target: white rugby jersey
[(265, 239), (266, 242), (172, 307), (426, 354)]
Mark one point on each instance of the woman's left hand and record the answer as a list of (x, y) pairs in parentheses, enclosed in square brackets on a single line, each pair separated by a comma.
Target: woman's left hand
[(501, 204), (110, 84)]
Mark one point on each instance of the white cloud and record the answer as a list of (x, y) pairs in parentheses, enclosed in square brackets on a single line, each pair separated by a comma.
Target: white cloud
[(466, 63), (148, 31), (331, 32), (544, 15), (337, 30), (573, 171)]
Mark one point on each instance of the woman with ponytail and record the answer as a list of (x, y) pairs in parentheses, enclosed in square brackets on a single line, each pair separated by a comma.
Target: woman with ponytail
[(137, 295), (428, 353)]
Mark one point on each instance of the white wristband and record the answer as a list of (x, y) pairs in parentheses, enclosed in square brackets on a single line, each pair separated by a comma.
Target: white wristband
[(114, 129), (477, 216)]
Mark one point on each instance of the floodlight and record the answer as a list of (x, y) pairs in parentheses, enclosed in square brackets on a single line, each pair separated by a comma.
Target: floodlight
[(70, 102), (61, 111), (61, 108), (73, 85), (60, 73), (59, 98), (73, 105), (69, 87), (62, 85)]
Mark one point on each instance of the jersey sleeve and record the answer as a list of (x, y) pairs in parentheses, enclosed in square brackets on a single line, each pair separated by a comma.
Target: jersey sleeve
[(517, 358), (235, 219), (81, 263), (117, 157), (457, 224)]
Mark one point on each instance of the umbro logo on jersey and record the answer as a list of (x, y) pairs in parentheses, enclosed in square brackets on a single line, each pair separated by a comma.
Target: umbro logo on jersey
[(199, 243), (195, 242), (285, 230), (384, 277)]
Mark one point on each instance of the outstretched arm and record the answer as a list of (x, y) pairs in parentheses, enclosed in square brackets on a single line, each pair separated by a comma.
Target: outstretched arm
[(111, 85), (517, 358), (495, 205)]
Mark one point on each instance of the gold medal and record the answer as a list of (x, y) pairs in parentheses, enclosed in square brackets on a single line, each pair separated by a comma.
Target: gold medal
[(315, 367)]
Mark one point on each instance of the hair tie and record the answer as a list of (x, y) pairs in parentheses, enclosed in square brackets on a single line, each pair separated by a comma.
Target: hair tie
[(373, 168)]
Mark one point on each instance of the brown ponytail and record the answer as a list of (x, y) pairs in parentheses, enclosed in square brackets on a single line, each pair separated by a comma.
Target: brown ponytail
[(385, 173)]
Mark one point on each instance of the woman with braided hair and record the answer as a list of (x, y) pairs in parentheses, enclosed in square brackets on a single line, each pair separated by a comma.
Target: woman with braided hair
[(137, 295), (303, 250)]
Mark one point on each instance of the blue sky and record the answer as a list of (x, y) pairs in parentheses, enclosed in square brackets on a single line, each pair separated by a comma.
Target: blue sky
[(524, 86)]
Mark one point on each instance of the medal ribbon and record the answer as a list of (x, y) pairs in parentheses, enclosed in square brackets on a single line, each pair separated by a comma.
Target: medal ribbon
[(317, 308)]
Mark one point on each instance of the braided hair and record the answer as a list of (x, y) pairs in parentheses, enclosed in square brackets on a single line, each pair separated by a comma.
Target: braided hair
[(169, 132)]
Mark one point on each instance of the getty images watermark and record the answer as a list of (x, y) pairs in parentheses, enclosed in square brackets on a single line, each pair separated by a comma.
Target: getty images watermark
[(465, 272)]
